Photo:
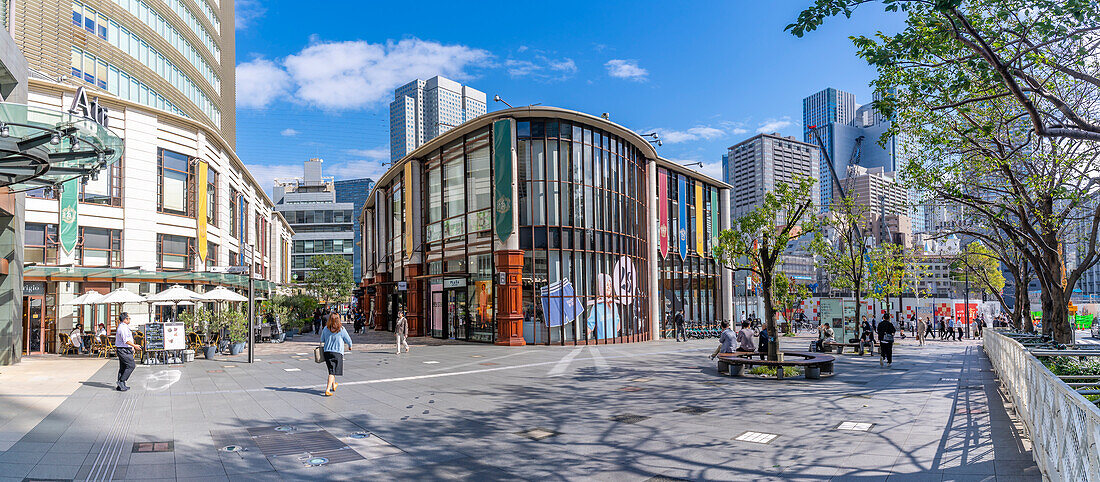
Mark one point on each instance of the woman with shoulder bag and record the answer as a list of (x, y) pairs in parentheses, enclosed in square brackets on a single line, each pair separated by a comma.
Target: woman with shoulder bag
[(334, 341), (886, 340)]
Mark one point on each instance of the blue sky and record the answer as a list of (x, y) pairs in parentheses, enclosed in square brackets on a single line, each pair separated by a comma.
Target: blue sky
[(317, 82)]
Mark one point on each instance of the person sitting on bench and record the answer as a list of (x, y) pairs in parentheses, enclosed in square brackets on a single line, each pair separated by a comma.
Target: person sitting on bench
[(725, 340), (824, 335)]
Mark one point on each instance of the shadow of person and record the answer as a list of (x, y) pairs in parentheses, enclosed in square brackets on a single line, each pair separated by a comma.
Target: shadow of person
[(98, 385), (308, 391)]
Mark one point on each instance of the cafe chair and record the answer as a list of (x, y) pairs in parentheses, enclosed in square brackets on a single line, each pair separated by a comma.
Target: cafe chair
[(67, 346), (107, 347), (194, 342)]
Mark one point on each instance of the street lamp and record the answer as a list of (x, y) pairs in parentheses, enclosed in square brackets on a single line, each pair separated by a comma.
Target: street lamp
[(496, 98)]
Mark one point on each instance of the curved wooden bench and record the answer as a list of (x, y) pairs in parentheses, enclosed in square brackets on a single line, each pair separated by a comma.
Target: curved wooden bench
[(840, 347), (814, 363)]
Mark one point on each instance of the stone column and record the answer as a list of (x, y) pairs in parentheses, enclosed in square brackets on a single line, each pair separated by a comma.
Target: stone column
[(414, 297), (379, 301), (11, 276), (726, 274), (509, 306), (653, 249)]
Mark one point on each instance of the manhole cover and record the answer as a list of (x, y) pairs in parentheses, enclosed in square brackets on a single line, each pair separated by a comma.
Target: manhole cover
[(232, 448), (359, 435), (316, 461), (151, 447), (693, 410), (628, 418), (286, 428), (537, 433)]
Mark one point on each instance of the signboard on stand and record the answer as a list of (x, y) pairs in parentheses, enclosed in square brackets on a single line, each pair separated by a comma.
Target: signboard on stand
[(174, 336), (154, 337)]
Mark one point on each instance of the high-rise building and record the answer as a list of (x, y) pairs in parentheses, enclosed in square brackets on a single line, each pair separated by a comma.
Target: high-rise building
[(176, 56), (885, 202), (424, 109), (754, 166), (824, 110), (355, 191), (321, 224)]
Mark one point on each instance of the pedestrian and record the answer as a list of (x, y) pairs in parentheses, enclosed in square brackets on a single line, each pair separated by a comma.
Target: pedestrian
[(318, 319), (765, 338), (678, 326), (959, 327), (401, 331), (981, 326), (886, 340), (825, 335), (930, 329), (335, 340), (744, 338), (76, 338), (922, 328), (124, 348), (725, 340), (951, 328), (867, 337)]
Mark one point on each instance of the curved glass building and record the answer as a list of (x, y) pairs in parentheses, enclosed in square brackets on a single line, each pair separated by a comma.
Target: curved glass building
[(539, 225)]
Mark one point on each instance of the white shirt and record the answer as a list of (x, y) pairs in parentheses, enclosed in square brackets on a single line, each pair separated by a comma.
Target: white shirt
[(123, 335), (75, 338)]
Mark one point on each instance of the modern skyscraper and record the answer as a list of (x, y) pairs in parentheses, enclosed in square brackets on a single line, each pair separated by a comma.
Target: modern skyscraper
[(321, 224), (176, 55), (424, 109), (355, 191), (754, 166)]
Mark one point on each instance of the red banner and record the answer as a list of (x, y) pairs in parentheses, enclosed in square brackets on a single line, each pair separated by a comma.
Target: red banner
[(662, 203), (960, 312)]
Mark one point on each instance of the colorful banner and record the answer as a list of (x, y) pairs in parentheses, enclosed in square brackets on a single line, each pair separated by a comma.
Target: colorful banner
[(662, 203), (67, 230), (503, 154), (699, 220), (200, 213), (714, 218), (682, 232), (408, 187)]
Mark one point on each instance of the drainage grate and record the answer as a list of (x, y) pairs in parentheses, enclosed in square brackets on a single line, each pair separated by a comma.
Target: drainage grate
[(693, 410), (971, 387), (292, 369), (275, 362), (293, 443), (537, 433), (151, 447), (757, 437), (430, 362), (628, 418), (949, 379), (664, 478), (854, 426)]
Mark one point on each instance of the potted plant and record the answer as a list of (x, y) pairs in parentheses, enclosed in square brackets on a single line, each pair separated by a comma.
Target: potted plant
[(238, 331), (214, 323)]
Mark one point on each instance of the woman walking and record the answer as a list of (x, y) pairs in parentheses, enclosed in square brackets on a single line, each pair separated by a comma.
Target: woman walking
[(886, 340), (335, 340), (401, 332)]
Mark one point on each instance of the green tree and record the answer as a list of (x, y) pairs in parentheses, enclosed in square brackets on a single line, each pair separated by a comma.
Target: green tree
[(889, 269), (997, 100), (788, 295), (330, 278), (842, 249), (757, 240)]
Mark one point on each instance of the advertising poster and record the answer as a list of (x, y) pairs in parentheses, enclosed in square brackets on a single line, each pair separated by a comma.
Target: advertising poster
[(682, 231), (662, 211), (174, 336)]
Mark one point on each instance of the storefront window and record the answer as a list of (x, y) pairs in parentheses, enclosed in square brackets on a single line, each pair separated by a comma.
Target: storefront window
[(175, 181), (174, 252), (40, 243), (479, 191), (211, 196), (100, 247)]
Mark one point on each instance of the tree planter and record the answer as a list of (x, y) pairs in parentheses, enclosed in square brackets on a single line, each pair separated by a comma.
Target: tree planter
[(236, 348), (209, 351)]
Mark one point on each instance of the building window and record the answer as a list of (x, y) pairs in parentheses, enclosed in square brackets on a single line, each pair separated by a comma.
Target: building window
[(174, 252), (100, 247), (211, 196), (107, 189), (40, 244), (211, 254), (174, 193), (233, 202)]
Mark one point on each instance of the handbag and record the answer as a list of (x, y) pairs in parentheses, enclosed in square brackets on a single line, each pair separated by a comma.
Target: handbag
[(318, 354)]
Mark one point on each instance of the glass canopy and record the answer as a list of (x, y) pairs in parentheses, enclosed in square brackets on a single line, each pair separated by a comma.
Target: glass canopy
[(42, 147)]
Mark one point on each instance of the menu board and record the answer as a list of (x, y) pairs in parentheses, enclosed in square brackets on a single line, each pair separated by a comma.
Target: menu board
[(154, 336), (174, 336)]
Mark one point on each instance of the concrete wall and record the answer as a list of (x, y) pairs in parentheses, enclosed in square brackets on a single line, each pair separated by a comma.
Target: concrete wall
[(11, 284)]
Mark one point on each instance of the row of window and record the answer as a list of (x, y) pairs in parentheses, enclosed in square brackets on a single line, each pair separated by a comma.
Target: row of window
[(105, 76), (142, 11), (95, 247), (121, 37), (689, 211), (317, 246), (208, 10), (459, 195), (318, 217), (105, 190), (301, 262)]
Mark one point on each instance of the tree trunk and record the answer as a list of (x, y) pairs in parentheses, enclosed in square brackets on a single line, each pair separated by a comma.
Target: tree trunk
[(1048, 310), (1022, 312), (769, 315), (859, 306)]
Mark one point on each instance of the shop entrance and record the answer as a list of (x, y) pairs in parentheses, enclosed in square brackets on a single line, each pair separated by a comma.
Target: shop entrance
[(34, 325), (393, 309), (457, 313)]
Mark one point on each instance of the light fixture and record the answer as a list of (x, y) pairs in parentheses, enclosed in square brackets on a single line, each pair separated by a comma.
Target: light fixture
[(496, 98), (55, 139), (4, 130)]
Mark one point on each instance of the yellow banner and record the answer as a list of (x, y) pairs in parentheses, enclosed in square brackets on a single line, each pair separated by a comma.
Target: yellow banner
[(699, 221), (407, 187), (200, 211)]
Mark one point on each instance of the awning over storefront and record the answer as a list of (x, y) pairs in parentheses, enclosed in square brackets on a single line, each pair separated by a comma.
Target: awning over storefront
[(44, 147), (135, 275)]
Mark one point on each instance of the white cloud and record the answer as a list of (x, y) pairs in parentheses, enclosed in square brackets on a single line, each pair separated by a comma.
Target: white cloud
[(357, 169), (626, 69), (773, 125), (712, 169), (357, 74), (541, 67), (377, 153), (245, 12), (266, 174), (260, 82), (697, 133), (288, 132)]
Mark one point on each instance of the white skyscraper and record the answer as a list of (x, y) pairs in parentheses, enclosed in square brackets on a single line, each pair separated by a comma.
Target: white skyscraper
[(424, 109)]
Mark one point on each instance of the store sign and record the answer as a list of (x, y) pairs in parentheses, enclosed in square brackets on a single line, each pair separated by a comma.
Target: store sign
[(503, 155), (67, 231), (454, 283), (34, 288), (402, 285), (91, 110)]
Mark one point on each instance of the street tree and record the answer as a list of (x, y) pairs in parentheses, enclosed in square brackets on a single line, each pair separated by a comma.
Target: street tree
[(841, 248), (890, 267), (330, 278), (755, 242), (788, 295), (997, 104)]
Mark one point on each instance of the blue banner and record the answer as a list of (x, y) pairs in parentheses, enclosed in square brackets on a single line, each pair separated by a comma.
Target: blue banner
[(558, 304), (681, 200)]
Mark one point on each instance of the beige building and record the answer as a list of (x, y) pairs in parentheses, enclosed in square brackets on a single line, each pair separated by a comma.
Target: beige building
[(878, 192)]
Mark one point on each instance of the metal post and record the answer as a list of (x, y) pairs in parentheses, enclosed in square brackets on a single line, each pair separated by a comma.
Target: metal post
[(966, 306), (251, 313)]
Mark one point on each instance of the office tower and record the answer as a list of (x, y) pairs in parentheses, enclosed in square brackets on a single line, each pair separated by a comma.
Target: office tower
[(424, 109), (885, 202), (321, 224), (355, 191), (754, 166), (176, 56)]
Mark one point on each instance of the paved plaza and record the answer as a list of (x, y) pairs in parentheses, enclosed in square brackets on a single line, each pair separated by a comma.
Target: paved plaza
[(644, 411)]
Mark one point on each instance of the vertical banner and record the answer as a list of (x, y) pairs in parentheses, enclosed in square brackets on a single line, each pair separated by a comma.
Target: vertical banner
[(662, 209), (408, 188), (714, 217), (67, 231), (682, 232), (200, 213), (241, 229), (699, 219), (503, 146)]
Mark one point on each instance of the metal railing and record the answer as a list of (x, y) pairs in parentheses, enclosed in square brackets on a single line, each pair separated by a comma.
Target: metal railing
[(1064, 427)]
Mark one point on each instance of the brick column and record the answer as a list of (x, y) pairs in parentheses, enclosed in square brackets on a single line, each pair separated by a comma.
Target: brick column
[(509, 303), (414, 299), (379, 301)]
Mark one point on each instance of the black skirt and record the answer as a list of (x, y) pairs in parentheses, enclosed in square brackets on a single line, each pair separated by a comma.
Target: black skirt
[(335, 363)]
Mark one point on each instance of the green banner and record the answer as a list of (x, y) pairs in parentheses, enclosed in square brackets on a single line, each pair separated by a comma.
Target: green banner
[(67, 231), (503, 139), (1084, 322)]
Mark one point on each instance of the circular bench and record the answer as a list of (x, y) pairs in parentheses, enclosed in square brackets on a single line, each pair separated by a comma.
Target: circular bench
[(816, 365), (857, 348)]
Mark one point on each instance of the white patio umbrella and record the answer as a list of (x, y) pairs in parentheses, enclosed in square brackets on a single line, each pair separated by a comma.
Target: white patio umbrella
[(173, 303), (121, 296), (175, 293), (89, 298), (222, 294)]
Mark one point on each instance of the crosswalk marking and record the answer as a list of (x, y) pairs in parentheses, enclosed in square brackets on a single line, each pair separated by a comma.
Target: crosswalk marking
[(597, 358), (559, 368)]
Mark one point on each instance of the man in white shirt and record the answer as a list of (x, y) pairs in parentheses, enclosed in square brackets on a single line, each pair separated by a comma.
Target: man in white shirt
[(124, 347)]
